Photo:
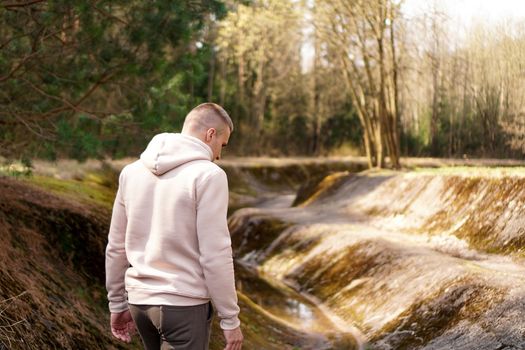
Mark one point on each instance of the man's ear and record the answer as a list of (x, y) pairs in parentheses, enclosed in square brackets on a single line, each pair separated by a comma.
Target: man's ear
[(210, 133)]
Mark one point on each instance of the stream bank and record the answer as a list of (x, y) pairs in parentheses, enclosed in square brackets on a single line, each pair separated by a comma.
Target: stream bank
[(428, 259), (54, 227)]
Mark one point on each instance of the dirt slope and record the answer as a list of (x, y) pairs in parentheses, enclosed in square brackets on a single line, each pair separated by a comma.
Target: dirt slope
[(51, 271), (426, 260)]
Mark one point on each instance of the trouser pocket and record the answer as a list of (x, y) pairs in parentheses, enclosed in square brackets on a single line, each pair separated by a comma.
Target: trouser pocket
[(210, 312)]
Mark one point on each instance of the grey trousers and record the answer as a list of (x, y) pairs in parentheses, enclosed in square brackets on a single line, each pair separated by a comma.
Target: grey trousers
[(168, 327)]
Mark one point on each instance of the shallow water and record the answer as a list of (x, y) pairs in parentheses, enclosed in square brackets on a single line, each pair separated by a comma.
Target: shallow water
[(291, 308)]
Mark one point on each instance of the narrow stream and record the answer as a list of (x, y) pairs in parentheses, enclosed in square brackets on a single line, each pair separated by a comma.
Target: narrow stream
[(282, 302), (290, 307), (294, 310)]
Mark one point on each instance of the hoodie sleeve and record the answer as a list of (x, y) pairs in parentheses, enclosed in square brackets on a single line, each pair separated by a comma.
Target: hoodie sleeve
[(116, 260), (215, 247)]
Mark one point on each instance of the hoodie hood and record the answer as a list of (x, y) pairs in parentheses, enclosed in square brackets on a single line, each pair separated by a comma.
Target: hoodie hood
[(167, 151)]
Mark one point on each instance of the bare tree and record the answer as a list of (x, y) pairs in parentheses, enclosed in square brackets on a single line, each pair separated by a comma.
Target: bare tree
[(262, 43), (362, 34)]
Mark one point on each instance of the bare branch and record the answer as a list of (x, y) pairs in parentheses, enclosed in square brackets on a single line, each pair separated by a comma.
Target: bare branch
[(22, 4), (109, 15), (18, 66)]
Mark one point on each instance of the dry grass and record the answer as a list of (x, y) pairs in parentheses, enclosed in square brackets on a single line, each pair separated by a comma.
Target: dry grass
[(478, 171), (51, 269), (7, 324)]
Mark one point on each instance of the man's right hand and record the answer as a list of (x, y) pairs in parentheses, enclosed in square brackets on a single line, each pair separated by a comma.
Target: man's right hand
[(122, 326), (234, 339)]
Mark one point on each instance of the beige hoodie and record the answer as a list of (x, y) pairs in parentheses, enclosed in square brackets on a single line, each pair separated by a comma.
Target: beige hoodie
[(169, 224)]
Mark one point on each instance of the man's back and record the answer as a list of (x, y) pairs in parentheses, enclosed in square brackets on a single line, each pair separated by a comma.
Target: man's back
[(161, 237), (169, 249), (172, 203)]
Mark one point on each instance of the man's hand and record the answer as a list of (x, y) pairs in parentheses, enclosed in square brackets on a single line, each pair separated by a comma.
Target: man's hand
[(234, 339), (122, 326)]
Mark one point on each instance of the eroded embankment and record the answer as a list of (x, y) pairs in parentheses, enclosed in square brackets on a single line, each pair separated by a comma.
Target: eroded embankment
[(271, 182), (415, 260), (54, 228), (51, 271)]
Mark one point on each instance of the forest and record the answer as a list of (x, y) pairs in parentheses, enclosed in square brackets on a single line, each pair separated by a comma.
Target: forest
[(97, 79), (375, 174)]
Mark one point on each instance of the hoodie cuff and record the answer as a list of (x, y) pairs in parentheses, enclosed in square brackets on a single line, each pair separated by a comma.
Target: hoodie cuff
[(230, 323), (116, 307)]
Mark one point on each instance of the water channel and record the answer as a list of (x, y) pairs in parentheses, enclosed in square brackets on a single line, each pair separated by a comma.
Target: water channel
[(297, 311), (282, 303)]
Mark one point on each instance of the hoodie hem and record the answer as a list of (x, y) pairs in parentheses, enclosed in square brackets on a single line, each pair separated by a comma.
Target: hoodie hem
[(139, 296)]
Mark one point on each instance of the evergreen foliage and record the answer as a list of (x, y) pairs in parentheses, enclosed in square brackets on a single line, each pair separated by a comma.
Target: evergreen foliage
[(93, 78)]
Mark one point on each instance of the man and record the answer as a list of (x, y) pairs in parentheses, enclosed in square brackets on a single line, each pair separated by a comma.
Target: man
[(169, 246)]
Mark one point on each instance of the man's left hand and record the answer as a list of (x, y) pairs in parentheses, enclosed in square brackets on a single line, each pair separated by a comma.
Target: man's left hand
[(122, 326)]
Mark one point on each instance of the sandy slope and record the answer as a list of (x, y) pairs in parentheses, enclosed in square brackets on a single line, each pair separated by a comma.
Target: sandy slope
[(415, 260), (50, 271)]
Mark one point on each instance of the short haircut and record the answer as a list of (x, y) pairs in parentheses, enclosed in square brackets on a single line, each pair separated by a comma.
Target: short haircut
[(207, 115)]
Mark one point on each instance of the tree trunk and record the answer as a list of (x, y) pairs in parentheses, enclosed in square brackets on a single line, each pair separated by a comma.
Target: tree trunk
[(316, 117), (211, 75), (240, 85), (222, 86), (395, 101)]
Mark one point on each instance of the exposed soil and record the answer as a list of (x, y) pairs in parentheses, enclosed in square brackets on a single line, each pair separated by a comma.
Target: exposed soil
[(417, 260), (51, 271)]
